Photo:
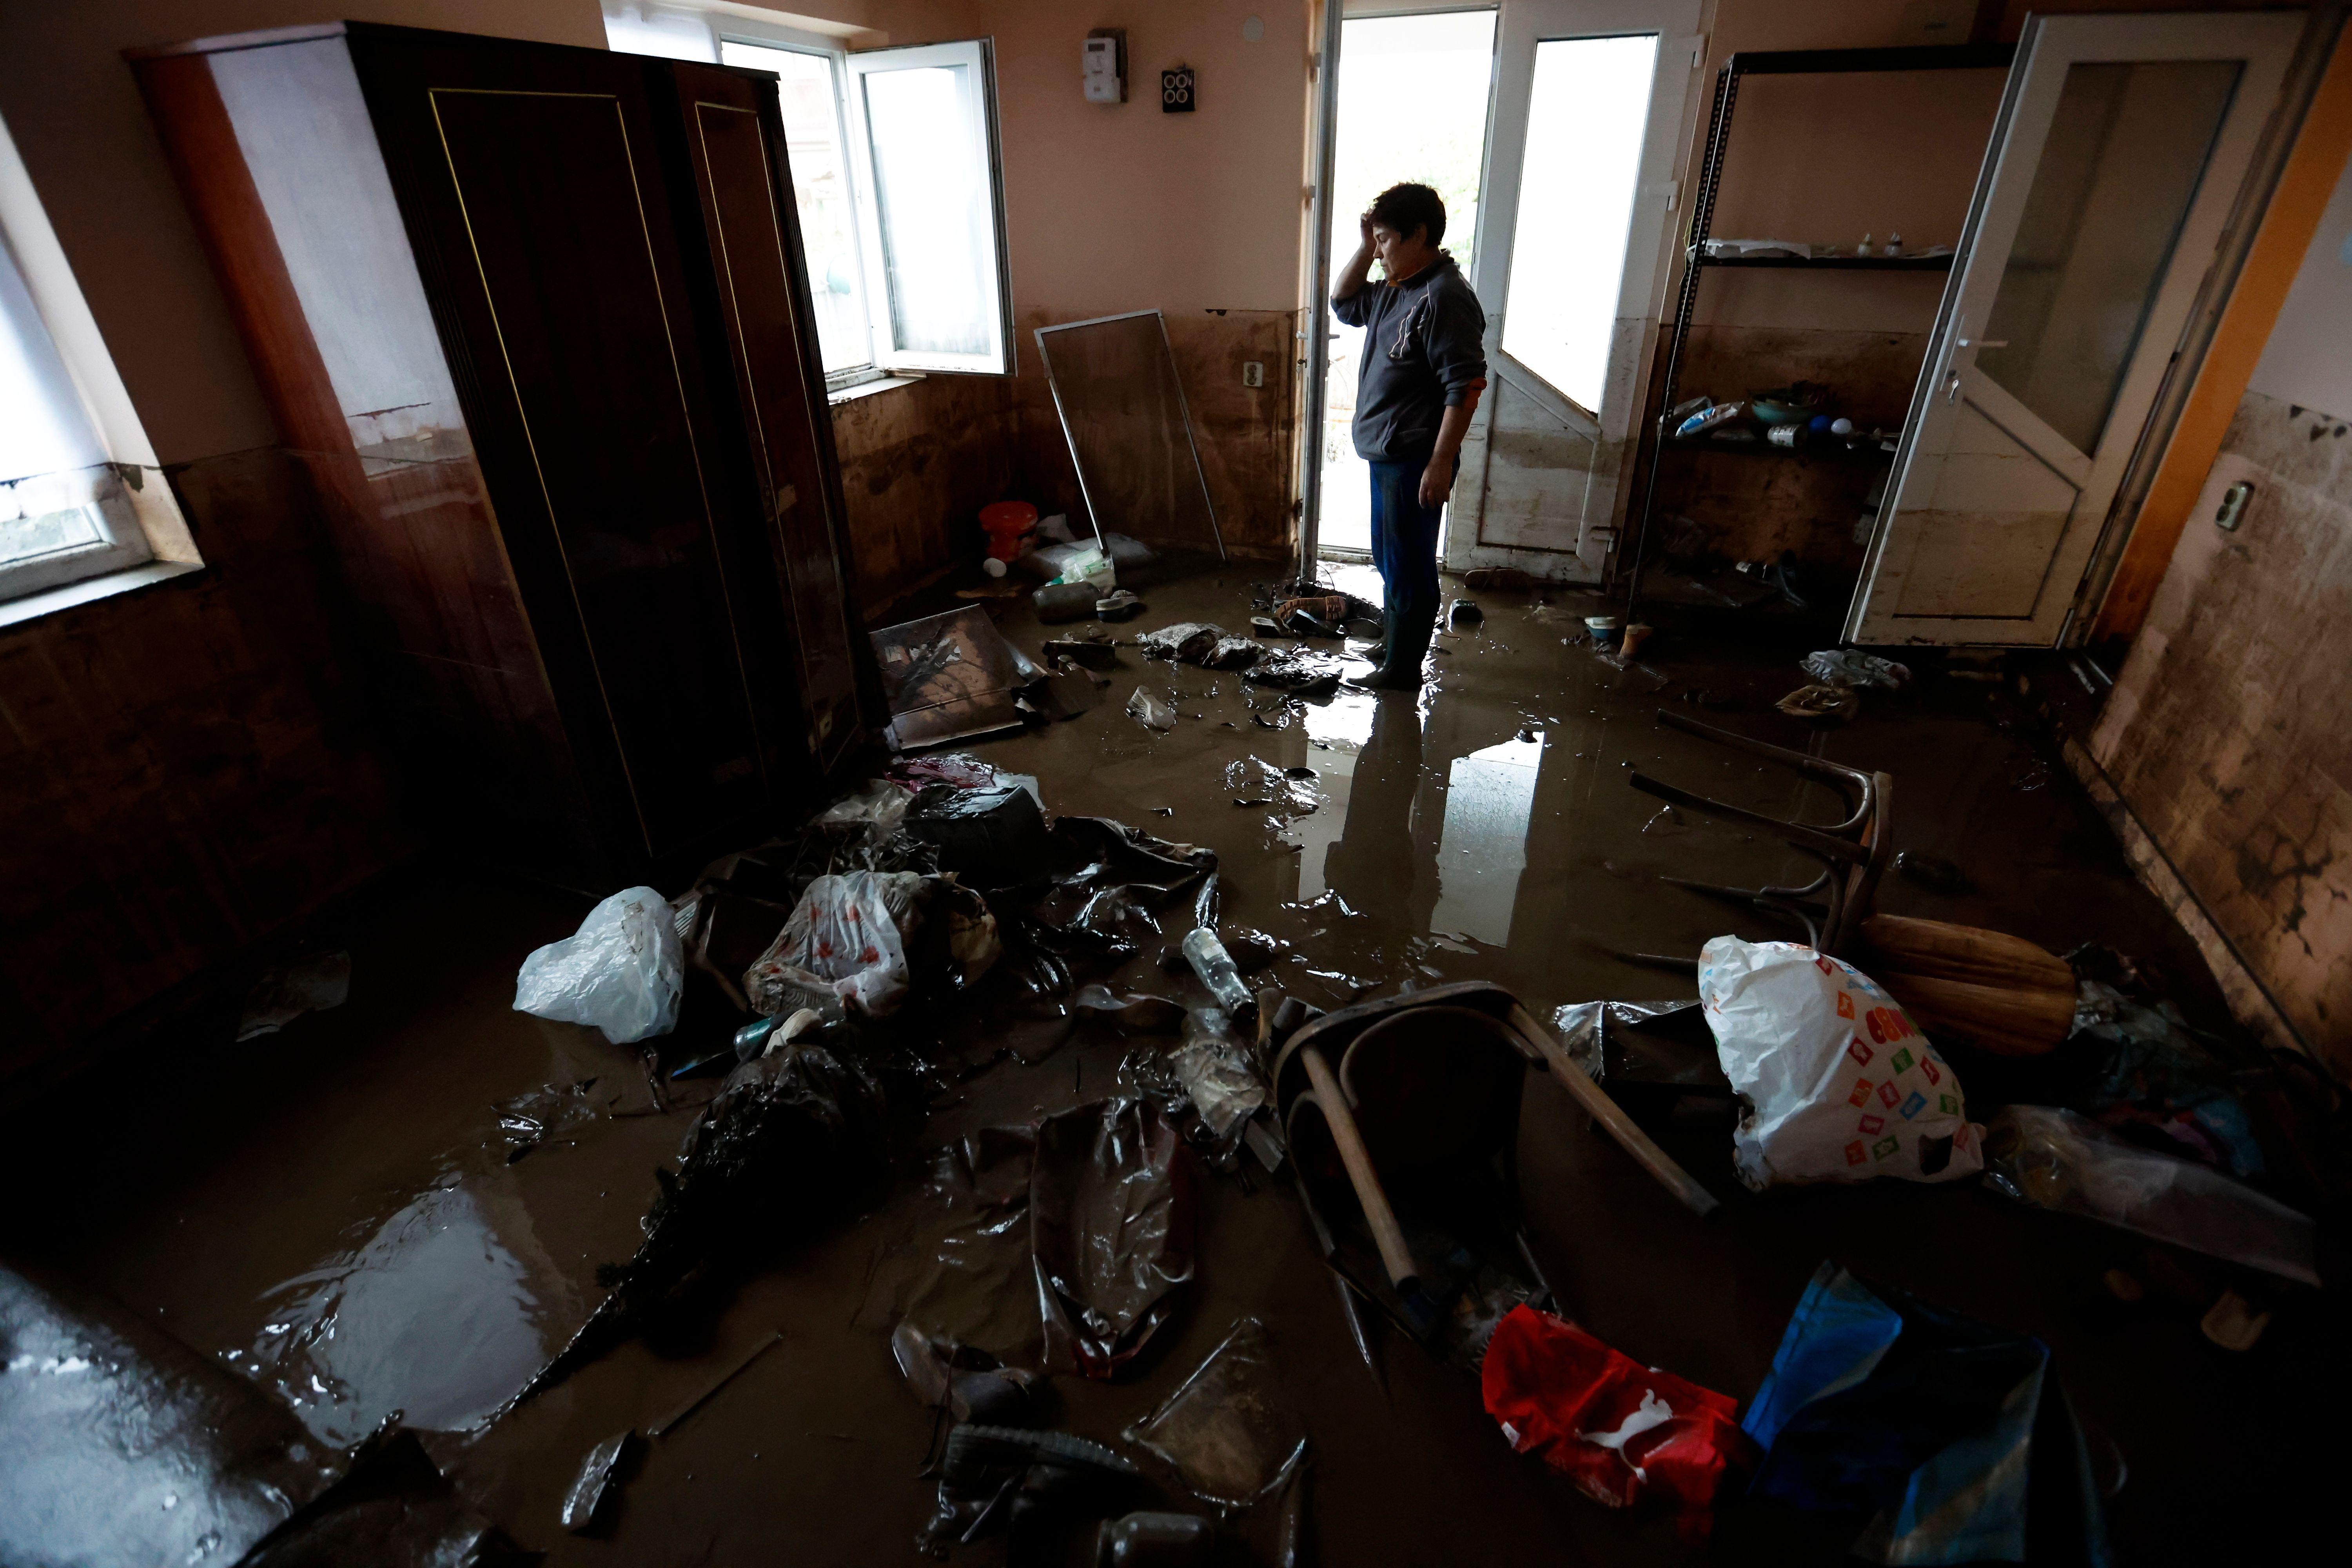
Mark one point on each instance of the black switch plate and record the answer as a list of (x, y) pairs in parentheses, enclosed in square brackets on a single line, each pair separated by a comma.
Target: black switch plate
[(1176, 90)]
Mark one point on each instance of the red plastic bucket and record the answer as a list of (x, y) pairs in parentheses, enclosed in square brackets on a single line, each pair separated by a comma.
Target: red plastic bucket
[(1006, 523)]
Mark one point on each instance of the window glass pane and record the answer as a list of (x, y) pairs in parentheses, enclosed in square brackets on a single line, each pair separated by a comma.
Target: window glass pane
[(821, 192), (44, 431), (1585, 123), (2121, 165), (1442, 63), (932, 190)]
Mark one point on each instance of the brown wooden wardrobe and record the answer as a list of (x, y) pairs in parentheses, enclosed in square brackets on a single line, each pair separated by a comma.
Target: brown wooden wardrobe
[(537, 318)]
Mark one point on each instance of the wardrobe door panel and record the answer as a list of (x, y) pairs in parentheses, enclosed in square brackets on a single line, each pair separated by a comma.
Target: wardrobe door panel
[(735, 144), (532, 176)]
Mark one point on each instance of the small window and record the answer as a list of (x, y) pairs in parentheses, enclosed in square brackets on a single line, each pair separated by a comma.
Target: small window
[(934, 217), (894, 162), (66, 507), (814, 145)]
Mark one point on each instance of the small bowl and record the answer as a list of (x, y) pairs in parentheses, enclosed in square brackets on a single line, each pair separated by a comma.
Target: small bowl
[(1771, 412)]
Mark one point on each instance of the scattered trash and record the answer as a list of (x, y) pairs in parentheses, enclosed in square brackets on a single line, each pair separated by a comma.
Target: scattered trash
[(588, 1505), (2063, 1161), (1631, 643), (1464, 612), (314, 984), (1120, 606), (1187, 642), (1835, 704), (2156, 1082), (1227, 1429), (1058, 603), (1621, 1431), (1156, 1540), (1233, 653), (1084, 651), (990, 837), (996, 1477), (1152, 711), (1298, 671), (1841, 1086), (966, 1382), (1110, 1205), (1933, 873), (1850, 667), (1137, 1012), (1217, 1073), (789, 1138), (845, 948), (1899, 1432), (1217, 970), (620, 973), (1498, 579)]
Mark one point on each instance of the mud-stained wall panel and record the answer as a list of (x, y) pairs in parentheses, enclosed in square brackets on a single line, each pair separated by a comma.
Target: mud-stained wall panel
[(2230, 730), (1244, 432), (918, 462), (192, 767)]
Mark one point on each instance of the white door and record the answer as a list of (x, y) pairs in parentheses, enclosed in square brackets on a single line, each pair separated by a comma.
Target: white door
[(2119, 151), (1575, 223)]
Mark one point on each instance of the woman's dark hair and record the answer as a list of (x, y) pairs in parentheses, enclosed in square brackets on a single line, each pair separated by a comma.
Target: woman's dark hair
[(1406, 207)]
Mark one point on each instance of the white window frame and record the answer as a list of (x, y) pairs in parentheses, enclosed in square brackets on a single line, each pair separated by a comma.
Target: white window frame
[(650, 26), (978, 56), (142, 536), (835, 58)]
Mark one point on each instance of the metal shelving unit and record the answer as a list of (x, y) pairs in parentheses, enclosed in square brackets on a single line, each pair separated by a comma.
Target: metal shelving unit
[(1696, 264)]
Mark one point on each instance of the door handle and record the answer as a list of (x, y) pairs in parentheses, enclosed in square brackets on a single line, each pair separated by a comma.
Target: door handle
[(1952, 387)]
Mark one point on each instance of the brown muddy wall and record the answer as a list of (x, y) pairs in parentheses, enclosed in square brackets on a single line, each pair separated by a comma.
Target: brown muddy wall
[(918, 462), (190, 767), (2229, 734)]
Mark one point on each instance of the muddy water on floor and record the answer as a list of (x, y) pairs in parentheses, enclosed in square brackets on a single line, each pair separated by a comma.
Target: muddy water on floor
[(348, 1179)]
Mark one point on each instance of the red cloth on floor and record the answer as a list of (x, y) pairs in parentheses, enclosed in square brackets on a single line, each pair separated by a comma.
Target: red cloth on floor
[(1621, 1431)]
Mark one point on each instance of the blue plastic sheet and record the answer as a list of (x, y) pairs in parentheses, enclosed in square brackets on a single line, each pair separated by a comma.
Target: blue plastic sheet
[(1904, 1434)]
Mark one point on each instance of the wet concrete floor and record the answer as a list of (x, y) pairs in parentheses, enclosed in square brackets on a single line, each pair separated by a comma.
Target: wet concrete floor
[(333, 1211)]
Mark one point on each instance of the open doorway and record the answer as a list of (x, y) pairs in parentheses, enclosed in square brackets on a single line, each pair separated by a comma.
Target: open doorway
[(1413, 93)]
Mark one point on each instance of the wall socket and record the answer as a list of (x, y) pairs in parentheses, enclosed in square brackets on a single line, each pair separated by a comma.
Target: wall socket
[(1253, 373)]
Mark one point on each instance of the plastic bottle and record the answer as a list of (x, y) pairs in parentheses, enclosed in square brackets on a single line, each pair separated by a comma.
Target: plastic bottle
[(1217, 970)]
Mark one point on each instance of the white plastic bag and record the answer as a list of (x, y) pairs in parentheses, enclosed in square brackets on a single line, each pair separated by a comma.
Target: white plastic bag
[(844, 947), (1841, 1086), (620, 973)]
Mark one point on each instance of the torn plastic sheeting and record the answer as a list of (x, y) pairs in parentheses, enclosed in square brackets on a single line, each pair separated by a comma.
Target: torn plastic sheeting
[(1136, 1013), (1217, 1072), (587, 1507), (1187, 642), (1228, 1429), (1296, 670), (1850, 667), (2158, 1078), (875, 807), (1621, 1431), (1233, 653), (843, 948), (1899, 1432), (962, 1274), (966, 1382), (1150, 710), (2063, 1161), (1110, 1213)]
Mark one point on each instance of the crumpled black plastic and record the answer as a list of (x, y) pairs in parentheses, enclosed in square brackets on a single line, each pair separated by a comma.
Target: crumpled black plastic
[(789, 1139)]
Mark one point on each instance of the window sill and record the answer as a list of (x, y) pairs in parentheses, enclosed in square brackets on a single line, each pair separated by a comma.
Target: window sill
[(48, 600), (869, 388)]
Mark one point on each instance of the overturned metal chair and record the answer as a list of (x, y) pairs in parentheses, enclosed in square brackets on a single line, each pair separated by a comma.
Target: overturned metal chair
[(1854, 853)]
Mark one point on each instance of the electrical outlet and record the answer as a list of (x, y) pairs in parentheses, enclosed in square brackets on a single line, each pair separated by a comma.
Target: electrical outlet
[(1176, 90), (1253, 373)]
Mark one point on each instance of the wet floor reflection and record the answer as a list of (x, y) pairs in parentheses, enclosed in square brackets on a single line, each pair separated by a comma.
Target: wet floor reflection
[(444, 1310), (1484, 847)]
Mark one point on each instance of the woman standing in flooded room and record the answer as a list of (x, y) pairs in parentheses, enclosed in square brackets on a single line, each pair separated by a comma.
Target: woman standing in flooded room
[(1424, 364)]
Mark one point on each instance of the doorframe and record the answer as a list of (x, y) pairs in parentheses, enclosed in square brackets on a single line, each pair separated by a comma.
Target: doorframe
[(1510, 90), (2205, 228)]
